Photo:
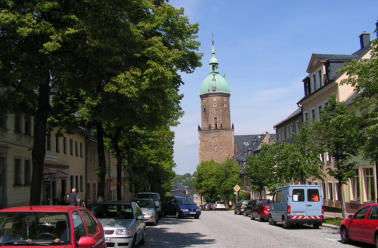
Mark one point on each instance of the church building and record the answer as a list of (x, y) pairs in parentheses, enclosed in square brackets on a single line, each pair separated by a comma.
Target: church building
[(216, 134)]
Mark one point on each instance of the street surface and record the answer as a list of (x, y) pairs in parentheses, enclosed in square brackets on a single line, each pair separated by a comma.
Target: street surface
[(223, 229)]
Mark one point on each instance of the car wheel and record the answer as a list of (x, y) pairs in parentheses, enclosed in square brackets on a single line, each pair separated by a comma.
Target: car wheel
[(142, 241), (344, 236), (196, 216), (316, 225), (133, 243), (285, 224), (260, 218), (271, 221)]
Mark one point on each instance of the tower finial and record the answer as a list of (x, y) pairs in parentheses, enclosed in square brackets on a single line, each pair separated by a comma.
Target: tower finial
[(212, 44)]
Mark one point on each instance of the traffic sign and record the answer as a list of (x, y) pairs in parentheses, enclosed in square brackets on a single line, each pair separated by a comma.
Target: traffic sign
[(236, 188)]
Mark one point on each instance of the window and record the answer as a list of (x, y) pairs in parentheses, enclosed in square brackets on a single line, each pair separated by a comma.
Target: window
[(297, 127), (313, 195), (77, 183), (373, 215), (17, 123), (305, 116), (64, 145), (215, 123), (215, 148), (57, 148), (320, 78), (27, 127), (48, 142), (17, 171), (313, 116), (315, 82), (369, 184), (81, 149), (91, 224), (298, 195), (312, 84), (81, 184), (71, 147), (355, 184), (3, 121), (361, 214), (2, 166), (76, 149), (330, 191), (27, 173), (278, 196), (319, 111), (338, 197), (79, 228), (324, 189)]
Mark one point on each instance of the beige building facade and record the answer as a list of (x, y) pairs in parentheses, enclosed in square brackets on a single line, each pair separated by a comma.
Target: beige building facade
[(322, 81)]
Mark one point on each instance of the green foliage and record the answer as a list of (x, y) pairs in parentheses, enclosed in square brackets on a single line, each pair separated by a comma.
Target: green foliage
[(338, 133), (363, 74), (187, 180), (215, 181)]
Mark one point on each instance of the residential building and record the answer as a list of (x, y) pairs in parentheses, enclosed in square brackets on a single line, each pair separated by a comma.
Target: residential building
[(323, 80), (245, 146), (289, 126)]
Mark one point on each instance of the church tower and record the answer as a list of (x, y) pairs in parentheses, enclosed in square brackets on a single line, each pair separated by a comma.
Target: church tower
[(216, 135)]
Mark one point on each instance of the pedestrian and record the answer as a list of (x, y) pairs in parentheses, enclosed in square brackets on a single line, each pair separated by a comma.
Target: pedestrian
[(72, 199)]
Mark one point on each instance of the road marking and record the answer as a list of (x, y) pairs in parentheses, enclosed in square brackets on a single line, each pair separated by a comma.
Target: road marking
[(332, 239)]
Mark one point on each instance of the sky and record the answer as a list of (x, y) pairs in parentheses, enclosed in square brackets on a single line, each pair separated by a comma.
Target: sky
[(263, 48)]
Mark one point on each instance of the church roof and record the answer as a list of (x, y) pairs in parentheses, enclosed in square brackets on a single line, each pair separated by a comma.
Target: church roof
[(214, 82)]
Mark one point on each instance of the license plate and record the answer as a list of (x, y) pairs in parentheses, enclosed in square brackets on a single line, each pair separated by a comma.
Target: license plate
[(192, 212), (107, 239)]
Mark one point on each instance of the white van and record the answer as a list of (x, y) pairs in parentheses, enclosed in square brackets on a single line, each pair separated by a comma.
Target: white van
[(297, 204)]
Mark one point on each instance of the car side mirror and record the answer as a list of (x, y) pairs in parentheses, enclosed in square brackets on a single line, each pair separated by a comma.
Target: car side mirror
[(86, 241)]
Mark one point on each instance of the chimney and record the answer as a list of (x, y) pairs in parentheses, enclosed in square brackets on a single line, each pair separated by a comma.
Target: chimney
[(364, 40)]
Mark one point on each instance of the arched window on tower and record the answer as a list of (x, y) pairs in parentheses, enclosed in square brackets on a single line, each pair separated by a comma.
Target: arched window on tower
[(215, 123)]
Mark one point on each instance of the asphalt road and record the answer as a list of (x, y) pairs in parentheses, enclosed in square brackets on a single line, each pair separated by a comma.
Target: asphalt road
[(223, 229)]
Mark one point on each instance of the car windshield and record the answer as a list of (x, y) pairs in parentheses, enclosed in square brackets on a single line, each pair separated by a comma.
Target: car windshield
[(34, 228), (184, 201), (145, 203), (113, 211), (149, 196)]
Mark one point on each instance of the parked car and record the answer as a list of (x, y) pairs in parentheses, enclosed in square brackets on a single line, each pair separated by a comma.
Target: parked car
[(50, 226), (182, 207), (156, 197), (261, 210), (239, 206), (362, 226), (219, 206), (123, 223), (149, 210), (297, 204), (248, 209)]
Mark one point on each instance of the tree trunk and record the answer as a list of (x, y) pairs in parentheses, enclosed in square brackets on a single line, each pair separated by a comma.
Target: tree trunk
[(119, 167), (39, 141), (101, 161)]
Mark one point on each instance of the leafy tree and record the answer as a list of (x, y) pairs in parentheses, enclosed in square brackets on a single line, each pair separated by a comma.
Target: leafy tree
[(338, 133), (363, 74), (36, 43), (227, 176), (260, 169)]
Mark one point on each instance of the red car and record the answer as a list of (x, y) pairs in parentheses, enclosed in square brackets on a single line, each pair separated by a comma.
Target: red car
[(46, 226), (261, 210), (362, 226)]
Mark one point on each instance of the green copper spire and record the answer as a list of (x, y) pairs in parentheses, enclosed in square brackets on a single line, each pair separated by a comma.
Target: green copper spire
[(214, 82)]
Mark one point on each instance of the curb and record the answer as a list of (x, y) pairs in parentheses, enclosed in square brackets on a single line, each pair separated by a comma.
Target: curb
[(330, 226)]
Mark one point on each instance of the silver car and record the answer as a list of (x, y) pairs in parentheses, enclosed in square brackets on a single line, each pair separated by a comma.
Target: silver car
[(149, 211), (123, 223)]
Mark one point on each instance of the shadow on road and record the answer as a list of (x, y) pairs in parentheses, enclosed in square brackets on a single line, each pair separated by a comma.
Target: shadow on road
[(161, 237)]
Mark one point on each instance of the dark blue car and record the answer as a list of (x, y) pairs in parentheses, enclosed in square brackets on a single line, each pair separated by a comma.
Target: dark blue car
[(182, 207)]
